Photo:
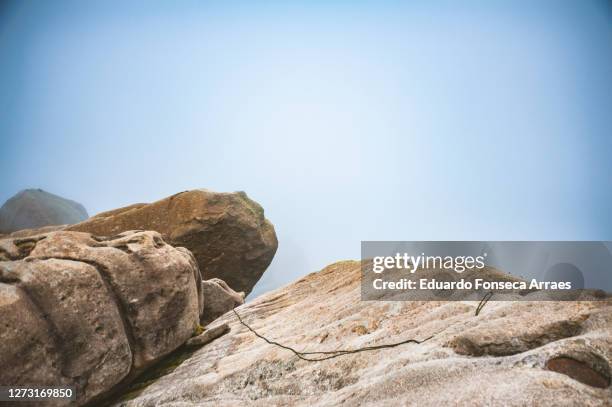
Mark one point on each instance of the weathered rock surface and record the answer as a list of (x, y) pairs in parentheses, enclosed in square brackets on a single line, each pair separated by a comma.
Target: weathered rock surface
[(220, 298), (35, 231), (227, 232), (35, 208), (524, 347), (92, 312)]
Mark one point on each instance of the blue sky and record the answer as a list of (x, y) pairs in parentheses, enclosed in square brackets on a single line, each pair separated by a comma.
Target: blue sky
[(347, 121)]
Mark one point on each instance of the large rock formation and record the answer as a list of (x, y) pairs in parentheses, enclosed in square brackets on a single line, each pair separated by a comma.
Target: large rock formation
[(511, 354), (92, 312), (35, 208), (227, 232)]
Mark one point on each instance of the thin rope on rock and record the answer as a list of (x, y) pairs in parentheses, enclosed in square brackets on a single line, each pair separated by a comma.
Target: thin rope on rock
[(483, 302), (331, 354)]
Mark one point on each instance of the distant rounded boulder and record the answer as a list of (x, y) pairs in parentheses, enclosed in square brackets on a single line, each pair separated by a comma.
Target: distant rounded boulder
[(35, 208)]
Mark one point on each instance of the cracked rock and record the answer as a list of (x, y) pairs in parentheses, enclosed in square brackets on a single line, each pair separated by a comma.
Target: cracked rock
[(92, 313)]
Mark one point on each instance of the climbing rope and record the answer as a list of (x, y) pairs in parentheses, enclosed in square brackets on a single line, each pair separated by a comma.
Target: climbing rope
[(330, 354), (483, 302), (341, 352)]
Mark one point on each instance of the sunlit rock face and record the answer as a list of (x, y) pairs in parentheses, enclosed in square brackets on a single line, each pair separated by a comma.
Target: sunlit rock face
[(92, 312), (35, 208), (512, 353)]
